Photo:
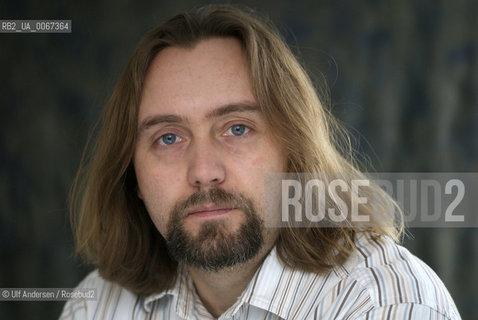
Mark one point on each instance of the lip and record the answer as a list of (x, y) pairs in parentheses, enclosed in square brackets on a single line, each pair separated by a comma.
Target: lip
[(208, 211)]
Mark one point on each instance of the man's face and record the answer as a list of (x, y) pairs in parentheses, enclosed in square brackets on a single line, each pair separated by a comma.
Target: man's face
[(202, 152)]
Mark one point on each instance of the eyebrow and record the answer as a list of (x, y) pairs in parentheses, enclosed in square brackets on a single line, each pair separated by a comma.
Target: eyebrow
[(216, 113), (230, 108), (158, 119)]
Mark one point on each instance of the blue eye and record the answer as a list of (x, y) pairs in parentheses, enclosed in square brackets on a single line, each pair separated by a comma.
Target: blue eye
[(238, 129), (168, 139)]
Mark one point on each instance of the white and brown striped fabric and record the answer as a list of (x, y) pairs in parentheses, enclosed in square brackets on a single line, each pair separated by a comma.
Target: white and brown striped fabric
[(381, 280)]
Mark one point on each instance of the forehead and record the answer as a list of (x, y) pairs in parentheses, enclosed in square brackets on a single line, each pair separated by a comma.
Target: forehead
[(195, 80)]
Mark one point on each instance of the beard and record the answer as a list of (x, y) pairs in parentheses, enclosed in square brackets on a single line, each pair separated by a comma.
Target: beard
[(214, 247)]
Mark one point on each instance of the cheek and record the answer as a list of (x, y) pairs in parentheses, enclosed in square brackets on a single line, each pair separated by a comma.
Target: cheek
[(156, 192), (154, 201), (269, 160), (253, 172)]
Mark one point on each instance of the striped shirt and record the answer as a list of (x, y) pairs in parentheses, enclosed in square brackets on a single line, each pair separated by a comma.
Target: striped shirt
[(380, 280)]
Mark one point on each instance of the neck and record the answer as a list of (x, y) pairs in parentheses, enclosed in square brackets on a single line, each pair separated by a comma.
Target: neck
[(219, 290)]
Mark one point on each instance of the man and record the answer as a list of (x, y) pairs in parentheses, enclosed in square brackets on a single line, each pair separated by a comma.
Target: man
[(172, 211)]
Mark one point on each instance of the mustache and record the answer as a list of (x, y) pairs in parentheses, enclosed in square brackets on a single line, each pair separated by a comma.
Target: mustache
[(217, 196)]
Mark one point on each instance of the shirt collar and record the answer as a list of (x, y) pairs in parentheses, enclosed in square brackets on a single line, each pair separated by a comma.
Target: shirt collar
[(257, 293), (263, 291), (181, 293), (263, 286), (274, 280), (266, 288)]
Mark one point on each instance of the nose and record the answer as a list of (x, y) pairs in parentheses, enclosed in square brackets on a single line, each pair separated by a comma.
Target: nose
[(206, 168)]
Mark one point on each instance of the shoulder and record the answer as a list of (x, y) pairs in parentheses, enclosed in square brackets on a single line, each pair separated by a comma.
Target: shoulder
[(108, 299), (396, 280)]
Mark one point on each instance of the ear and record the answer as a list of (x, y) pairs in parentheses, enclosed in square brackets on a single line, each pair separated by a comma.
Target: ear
[(138, 192)]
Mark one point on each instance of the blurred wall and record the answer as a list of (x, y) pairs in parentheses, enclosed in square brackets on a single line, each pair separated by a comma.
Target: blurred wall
[(403, 77)]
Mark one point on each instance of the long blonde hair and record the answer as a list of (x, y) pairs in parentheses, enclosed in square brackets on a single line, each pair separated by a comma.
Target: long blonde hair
[(111, 225)]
